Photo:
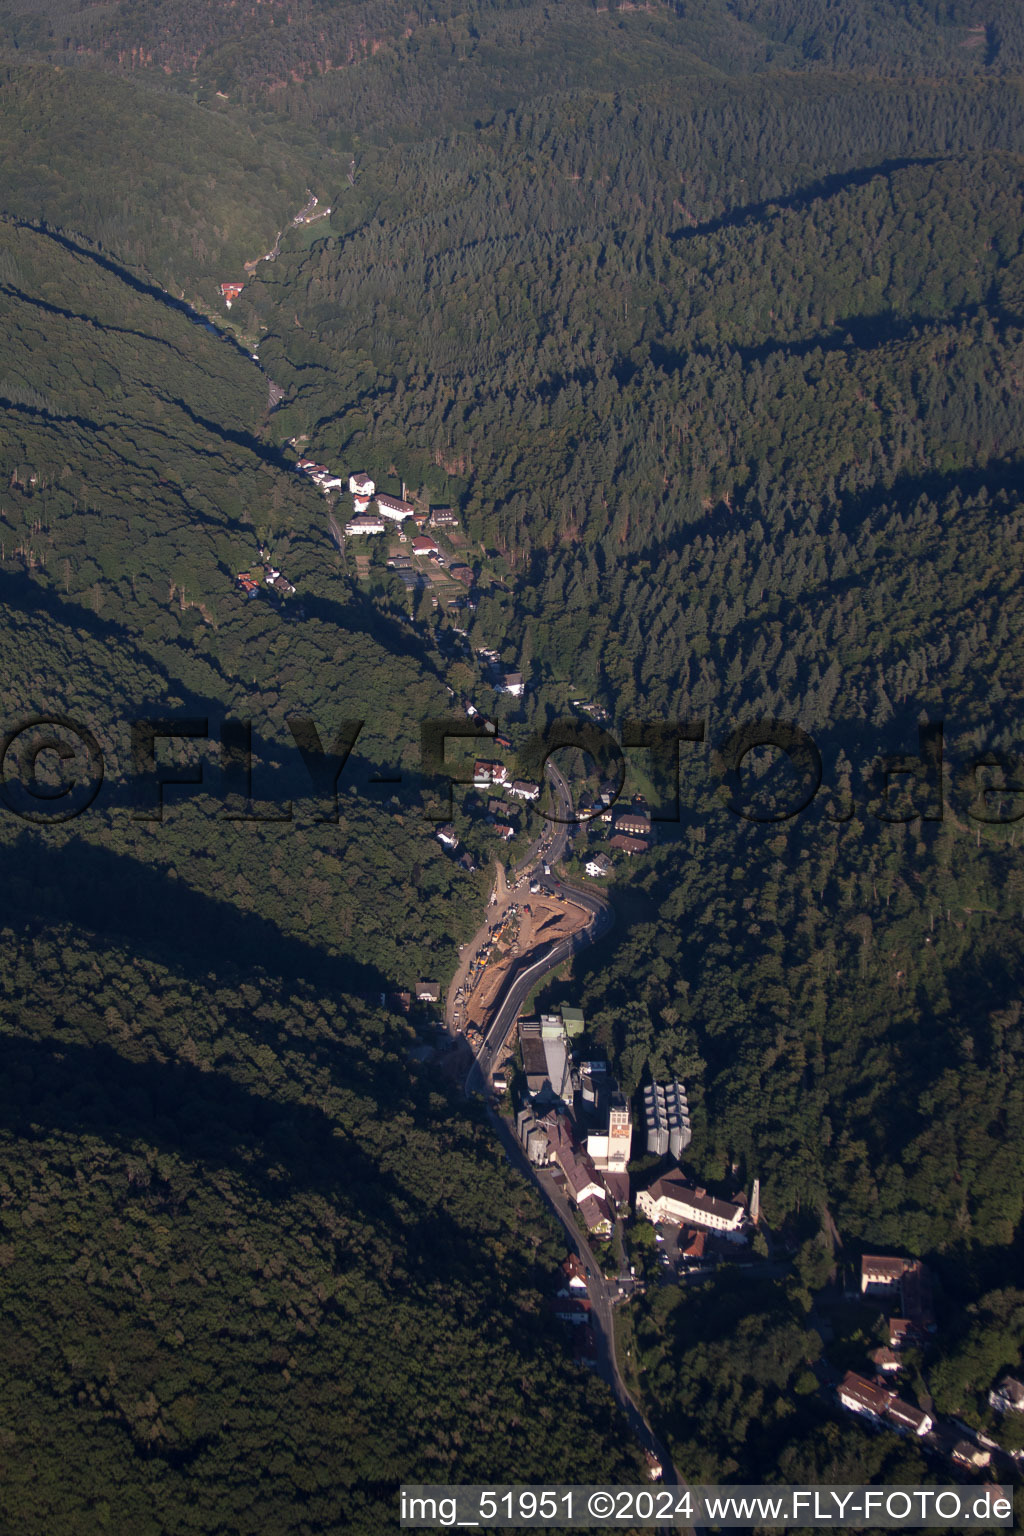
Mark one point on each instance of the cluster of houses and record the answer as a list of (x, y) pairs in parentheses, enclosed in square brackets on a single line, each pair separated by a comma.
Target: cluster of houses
[(877, 1400), (571, 1304), (910, 1281), (488, 774), (264, 575), (320, 475), (510, 683), (631, 829)]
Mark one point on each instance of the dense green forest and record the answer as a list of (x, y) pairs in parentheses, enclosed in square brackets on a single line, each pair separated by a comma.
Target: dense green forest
[(707, 319)]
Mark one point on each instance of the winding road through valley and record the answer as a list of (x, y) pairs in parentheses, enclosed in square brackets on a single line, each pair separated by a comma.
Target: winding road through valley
[(550, 847)]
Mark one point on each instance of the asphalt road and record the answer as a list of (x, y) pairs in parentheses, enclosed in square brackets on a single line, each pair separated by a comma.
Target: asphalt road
[(603, 1295)]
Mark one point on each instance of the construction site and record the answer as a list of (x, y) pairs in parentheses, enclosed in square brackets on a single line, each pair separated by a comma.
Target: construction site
[(522, 928)]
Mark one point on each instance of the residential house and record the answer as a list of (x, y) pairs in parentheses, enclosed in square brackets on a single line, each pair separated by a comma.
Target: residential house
[(633, 824), (573, 1277), (1008, 1396), (882, 1405), (879, 1276), (966, 1454), (597, 1214), (885, 1360), (428, 991), (360, 484), (229, 292), (447, 835), (423, 544), (443, 517), (505, 831), (524, 789), (512, 683), (627, 845), (671, 1199), (485, 773), (364, 524), (598, 868), (571, 1309), (691, 1246), (900, 1333)]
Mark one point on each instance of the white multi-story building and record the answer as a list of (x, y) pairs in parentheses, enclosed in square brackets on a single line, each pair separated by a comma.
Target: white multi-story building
[(671, 1199), (393, 507)]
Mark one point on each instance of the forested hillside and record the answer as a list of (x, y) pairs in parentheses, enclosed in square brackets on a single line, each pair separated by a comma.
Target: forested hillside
[(250, 1250), (708, 321)]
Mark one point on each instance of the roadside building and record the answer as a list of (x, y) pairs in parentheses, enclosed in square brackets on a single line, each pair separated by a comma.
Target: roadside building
[(573, 1278), (610, 1149), (572, 1021), (598, 868)]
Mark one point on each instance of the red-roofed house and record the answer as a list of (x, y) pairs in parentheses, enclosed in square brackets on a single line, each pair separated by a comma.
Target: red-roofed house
[(423, 544)]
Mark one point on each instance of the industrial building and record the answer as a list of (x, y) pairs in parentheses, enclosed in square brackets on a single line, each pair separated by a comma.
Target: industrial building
[(545, 1062), (667, 1118)]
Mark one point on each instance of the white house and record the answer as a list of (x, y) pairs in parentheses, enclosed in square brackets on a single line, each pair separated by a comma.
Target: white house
[(364, 524), (361, 485), (448, 836), (524, 789), (599, 867), (882, 1405), (512, 684), (1008, 1396), (394, 507)]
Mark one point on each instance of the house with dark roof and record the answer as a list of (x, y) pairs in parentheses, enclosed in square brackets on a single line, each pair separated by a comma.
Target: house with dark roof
[(627, 845), (1008, 1396), (882, 1405), (671, 1199)]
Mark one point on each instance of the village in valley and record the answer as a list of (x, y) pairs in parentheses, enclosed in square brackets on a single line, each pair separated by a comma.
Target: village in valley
[(613, 1167), (578, 1132)]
